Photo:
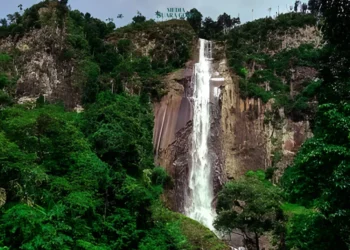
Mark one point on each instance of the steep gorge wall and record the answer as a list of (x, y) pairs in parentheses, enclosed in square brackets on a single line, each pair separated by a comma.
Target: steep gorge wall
[(172, 133), (242, 138), (250, 139), (40, 67), (248, 142)]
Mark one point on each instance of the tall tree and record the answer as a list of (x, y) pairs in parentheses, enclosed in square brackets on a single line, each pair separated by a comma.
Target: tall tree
[(209, 29), (194, 17), (296, 5), (3, 22), (236, 21), (224, 23), (139, 18), (314, 6), (250, 204), (304, 8)]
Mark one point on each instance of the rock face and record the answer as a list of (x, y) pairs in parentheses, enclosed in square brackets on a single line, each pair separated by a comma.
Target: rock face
[(292, 38), (248, 141), (164, 42), (40, 67), (241, 138), (172, 134)]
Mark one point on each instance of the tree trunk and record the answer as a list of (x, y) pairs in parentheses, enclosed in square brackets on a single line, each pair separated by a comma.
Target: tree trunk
[(257, 241)]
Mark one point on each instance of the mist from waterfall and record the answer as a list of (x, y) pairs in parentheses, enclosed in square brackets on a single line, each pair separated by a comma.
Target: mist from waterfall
[(199, 201)]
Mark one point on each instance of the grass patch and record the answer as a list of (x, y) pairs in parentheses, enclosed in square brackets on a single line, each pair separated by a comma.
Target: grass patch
[(295, 209), (198, 236)]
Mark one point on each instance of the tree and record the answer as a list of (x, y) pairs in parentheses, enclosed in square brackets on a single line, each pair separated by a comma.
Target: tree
[(209, 30), (296, 5), (304, 8), (194, 17), (314, 6), (118, 136), (224, 23), (11, 18), (236, 21), (139, 18), (64, 2), (249, 204), (318, 229), (319, 177), (3, 22)]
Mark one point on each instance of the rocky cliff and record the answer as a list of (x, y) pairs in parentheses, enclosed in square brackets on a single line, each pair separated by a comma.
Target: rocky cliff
[(40, 69), (262, 117), (69, 57), (247, 132), (266, 112)]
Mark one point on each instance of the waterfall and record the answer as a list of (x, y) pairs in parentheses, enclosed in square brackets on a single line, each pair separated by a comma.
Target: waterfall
[(199, 200)]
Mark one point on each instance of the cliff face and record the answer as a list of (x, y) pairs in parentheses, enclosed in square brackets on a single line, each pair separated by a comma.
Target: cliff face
[(246, 132), (248, 142), (172, 133), (37, 44), (40, 68), (166, 43), (260, 132)]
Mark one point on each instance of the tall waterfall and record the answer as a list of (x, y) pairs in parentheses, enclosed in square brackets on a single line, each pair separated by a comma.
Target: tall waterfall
[(198, 203)]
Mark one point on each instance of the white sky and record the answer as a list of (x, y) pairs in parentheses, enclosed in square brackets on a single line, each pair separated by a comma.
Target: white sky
[(104, 9)]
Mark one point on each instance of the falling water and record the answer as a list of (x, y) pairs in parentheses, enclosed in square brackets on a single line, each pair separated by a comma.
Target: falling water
[(198, 205)]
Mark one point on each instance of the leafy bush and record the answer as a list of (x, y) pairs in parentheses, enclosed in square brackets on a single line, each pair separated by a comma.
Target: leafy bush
[(160, 177), (251, 90), (250, 204)]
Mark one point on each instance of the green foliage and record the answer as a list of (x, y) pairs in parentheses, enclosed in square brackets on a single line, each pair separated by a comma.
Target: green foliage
[(3, 81), (168, 236), (124, 46), (4, 60), (319, 178), (173, 41), (314, 6), (139, 18), (120, 129), (194, 17), (251, 90), (320, 173), (247, 49), (305, 55), (218, 30), (197, 236), (295, 209), (101, 67), (312, 231), (250, 204), (273, 80), (61, 195), (160, 177), (19, 23)]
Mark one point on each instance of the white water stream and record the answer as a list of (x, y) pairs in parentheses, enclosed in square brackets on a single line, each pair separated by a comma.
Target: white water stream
[(199, 203)]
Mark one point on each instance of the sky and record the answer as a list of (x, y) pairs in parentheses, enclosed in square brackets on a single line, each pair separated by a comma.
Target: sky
[(104, 9)]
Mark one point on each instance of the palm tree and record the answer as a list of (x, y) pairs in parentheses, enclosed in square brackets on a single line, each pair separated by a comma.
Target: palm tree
[(3, 22)]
